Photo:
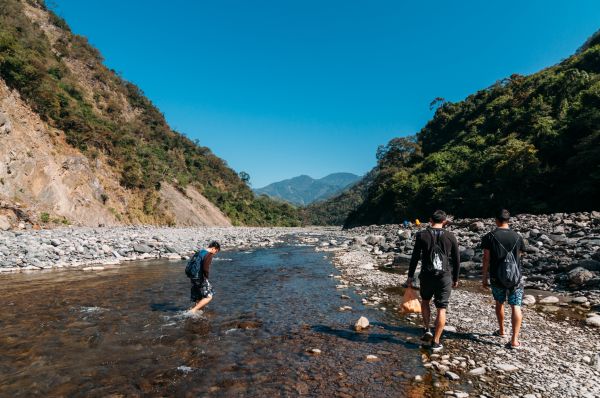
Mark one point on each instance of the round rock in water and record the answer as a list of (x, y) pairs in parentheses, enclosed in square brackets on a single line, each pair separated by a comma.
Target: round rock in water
[(549, 300)]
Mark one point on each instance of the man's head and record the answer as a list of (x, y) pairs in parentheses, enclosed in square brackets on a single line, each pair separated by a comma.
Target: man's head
[(214, 247), (502, 217), (438, 217)]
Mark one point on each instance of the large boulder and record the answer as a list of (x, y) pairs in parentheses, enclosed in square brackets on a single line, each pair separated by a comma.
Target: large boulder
[(477, 226), (359, 241), (580, 276), (401, 259), (375, 240), (467, 254), (404, 234)]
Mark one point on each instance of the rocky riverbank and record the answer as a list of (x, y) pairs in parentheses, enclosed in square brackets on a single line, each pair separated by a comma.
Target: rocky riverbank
[(95, 248), (560, 355)]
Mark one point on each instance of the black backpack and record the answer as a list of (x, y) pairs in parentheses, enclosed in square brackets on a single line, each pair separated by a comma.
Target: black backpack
[(509, 274), (194, 264), (437, 255)]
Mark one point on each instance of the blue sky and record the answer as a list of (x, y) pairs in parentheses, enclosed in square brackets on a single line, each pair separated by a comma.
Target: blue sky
[(282, 88)]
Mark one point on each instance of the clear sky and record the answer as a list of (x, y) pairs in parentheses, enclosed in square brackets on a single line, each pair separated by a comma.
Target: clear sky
[(281, 88)]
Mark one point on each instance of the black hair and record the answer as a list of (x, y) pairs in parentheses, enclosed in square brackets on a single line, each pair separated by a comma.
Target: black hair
[(215, 244), (438, 216), (503, 215)]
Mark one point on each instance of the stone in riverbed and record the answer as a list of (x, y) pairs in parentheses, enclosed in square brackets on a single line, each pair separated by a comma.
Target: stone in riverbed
[(374, 240), (362, 323), (506, 367), (593, 321), (528, 299), (452, 375), (477, 371), (580, 276), (477, 226), (579, 300), (314, 351), (371, 358), (139, 248), (549, 300)]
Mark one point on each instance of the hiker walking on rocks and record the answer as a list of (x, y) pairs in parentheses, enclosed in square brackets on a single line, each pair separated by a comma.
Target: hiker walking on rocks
[(440, 264), (197, 270), (502, 250)]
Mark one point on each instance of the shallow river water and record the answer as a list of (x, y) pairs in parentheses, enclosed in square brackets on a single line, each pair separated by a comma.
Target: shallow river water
[(124, 332)]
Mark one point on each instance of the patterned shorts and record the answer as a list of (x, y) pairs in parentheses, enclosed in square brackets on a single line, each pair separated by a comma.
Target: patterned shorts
[(515, 296), (201, 288)]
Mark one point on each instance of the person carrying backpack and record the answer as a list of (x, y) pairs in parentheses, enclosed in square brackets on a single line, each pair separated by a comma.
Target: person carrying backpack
[(197, 269), (502, 250), (440, 265)]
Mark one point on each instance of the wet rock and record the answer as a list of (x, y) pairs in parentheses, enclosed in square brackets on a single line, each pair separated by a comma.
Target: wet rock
[(580, 276), (361, 324), (588, 264), (549, 300)]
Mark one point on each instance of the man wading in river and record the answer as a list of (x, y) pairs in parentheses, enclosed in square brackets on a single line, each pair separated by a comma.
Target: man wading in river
[(197, 270), (502, 250), (436, 249)]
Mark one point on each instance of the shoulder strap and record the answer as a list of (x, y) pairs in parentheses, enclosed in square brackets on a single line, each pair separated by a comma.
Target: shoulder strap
[(501, 245)]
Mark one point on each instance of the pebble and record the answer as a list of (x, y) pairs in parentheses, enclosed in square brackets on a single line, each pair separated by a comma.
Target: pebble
[(361, 324), (371, 358)]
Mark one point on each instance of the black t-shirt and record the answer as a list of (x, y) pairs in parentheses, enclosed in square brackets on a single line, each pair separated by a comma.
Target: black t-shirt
[(422, 251), (499, 242)]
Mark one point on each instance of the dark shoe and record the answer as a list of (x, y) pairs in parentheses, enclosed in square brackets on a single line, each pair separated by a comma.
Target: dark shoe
[(436, 347), (427, 336)]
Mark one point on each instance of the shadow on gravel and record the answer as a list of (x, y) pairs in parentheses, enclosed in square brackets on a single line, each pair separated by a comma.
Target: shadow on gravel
[(469, 337), (363, 337)]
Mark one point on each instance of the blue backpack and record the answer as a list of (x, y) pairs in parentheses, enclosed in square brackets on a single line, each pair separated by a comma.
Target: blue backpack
[(194, 264)]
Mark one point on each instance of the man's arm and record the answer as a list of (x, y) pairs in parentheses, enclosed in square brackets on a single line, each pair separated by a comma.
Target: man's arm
[(455, 261), (206, 265), (485, 268), (414, 259)]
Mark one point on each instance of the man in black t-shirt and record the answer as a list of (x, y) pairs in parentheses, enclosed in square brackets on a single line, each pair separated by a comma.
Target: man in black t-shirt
[(496, 247), (436, 280)]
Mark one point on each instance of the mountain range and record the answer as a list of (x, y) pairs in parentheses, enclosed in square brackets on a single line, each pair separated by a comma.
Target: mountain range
[(304, 190)]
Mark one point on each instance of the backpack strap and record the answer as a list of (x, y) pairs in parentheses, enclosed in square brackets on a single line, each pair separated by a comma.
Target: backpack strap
[(501, 245)]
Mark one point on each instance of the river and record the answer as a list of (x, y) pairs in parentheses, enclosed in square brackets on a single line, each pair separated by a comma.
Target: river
[(124, 332)]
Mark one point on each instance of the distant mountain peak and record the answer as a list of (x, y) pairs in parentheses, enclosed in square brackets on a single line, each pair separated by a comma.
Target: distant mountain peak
[(304, 190)]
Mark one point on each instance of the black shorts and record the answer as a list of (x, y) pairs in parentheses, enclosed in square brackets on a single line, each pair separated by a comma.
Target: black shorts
[(201, 288), (438, 287)]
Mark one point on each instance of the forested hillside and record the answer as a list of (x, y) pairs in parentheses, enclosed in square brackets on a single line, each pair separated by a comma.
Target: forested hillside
[(530, 143), (63, 79)]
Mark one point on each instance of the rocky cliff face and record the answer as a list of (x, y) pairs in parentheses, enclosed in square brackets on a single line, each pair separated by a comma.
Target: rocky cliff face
[(45, 181)]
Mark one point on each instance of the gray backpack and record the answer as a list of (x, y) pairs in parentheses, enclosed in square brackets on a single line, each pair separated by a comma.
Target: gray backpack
[(509, 274)]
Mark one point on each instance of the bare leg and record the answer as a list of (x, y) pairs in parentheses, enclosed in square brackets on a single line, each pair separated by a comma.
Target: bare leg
[(426, 313), (440, 322), (517, 318), (201, 304), (500, 316)]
